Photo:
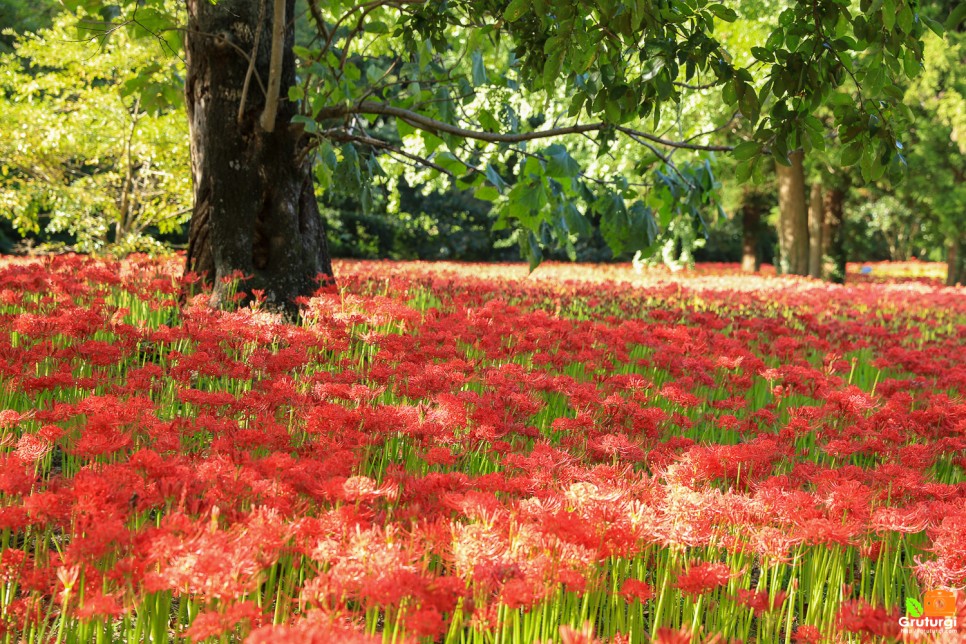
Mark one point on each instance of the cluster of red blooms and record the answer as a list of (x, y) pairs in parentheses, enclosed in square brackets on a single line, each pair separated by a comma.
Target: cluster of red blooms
[(446, 444)]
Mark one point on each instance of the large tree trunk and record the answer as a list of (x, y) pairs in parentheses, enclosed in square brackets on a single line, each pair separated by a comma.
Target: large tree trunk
[(255, 211), (793, 228), (835, 219), (751, 209), (956, 261), (816, 221)]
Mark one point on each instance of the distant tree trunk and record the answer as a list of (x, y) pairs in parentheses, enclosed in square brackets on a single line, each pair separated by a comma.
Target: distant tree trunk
[(751, 211), (816, 224), (793, 226), (956, 261), (835, 220), (255, 211)]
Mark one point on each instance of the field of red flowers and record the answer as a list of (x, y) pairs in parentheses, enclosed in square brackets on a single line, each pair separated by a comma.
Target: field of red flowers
[(460, 453)]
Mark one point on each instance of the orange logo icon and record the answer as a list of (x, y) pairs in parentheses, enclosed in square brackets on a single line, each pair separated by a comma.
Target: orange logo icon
[(939, 603)]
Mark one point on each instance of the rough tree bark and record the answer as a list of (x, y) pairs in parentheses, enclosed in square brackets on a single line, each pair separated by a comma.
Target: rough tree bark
[(752, 205), (816, 221), (835, 218), (255, 211), (956, 261), (793, 228)]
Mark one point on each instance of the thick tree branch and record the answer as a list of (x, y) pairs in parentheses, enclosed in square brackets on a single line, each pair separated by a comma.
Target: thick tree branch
[(436, 126), (388, 147), (267, 120), (251, 61), (319, 19)]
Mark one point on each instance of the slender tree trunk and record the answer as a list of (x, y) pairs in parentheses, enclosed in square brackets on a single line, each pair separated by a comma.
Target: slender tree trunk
[(956, 261), (793, 228), (122, 226), (816, 224), (255, 211), (826, 230), (835, 218), (751, 208)]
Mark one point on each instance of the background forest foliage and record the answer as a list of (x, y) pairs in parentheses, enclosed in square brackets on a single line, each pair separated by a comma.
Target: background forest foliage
[(94, 161)]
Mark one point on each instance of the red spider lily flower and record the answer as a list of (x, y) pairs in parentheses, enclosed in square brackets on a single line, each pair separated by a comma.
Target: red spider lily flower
[(858, 616), (670, 636), (197, 557), (97, 605), (703, 577), (12, 564), (773, 543), (443, 593), (808, 634), (9, 418), (586, 634), (572, 580), (426, 622), (67, 576), (759, 600), (636, 590), (440, 456), (948, 569), (224, 620), (611, 446), (362, 487), (312, 631), (521, 593), (32, 447), (15, 477), (13, 518)]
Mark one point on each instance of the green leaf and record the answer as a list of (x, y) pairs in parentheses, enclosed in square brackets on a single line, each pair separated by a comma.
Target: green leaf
[(560, 164), (486, 193), (449, 162), (746, 150), (748, 104), (840, 99), (888, 14), (348, 176), (528, 198), (553, 66), (763, 54), (478, 69), (613, 222), (351, 72), (905, 19), (488, 121), (934, 26), (910, 65), (852, 153), (403, 128), (308, 123), (296, 93), (583, 56), (723, 12), (956, 17), (576, 222), (90, 5), (516, 10), (494, 177), (744, 170), (374, 72), (532, 251), (376, 27)]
